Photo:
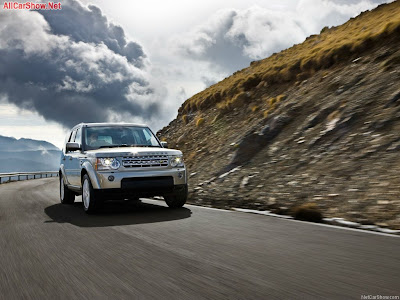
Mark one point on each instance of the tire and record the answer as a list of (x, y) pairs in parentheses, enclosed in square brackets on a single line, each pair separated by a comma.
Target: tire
[(66, 195), (178, 199), (90, 202)]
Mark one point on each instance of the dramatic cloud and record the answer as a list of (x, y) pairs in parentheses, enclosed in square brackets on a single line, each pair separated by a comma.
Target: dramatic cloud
[(90, 26), (232, 38), (72, 66)]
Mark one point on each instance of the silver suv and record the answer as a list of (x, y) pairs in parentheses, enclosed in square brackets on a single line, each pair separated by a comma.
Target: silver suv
[(107, 161)]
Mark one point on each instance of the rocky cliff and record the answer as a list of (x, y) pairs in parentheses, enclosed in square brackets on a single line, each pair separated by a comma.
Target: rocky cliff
[(315, 127)]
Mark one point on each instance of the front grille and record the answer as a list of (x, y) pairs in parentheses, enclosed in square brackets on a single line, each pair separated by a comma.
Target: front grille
[(145, 161)]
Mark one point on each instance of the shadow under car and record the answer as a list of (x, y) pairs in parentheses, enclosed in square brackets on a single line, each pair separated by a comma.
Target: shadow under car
[(115, 213)]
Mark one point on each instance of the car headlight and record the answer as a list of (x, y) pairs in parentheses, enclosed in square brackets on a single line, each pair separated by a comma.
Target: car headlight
[(176, 161), (108, 163)]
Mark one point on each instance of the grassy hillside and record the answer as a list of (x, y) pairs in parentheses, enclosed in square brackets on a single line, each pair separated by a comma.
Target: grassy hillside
[(314, 127), (335, 45)]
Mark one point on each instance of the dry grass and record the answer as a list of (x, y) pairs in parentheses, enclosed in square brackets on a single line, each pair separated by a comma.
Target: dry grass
[(280, 98), (330, 47), (391, 62), (238, 100), (333, 115), (199, 122), (272, 101)]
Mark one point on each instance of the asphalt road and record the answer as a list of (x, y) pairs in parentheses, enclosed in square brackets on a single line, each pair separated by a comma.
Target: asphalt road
[(147, 251)]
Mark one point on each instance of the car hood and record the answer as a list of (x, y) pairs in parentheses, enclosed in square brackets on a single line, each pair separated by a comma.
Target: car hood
[(131, 151)]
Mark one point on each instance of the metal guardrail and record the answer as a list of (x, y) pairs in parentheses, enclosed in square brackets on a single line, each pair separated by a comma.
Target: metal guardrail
[(17, 176)]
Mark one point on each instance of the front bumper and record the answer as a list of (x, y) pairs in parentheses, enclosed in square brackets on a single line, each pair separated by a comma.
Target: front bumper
[(130, 193), (178, 175)]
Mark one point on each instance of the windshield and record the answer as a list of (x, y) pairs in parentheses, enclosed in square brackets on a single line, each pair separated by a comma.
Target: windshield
[(119, 136)]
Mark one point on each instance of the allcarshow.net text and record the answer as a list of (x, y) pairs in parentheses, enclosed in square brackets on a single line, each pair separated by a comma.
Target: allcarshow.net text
[(11, 5)]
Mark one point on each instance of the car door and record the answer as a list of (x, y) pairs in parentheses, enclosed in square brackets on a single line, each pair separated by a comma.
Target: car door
[(75, 159), (67, 159)]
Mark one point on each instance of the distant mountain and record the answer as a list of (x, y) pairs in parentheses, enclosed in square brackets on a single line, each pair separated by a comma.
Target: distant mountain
[(12, 144), (27, 155)]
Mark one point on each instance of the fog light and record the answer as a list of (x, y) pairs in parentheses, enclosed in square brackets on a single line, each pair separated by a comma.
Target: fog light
[(180, 175), (111, 178)]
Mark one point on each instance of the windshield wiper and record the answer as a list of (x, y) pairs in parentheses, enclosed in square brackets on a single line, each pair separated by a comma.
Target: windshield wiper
[(145, 146), (114, 146)]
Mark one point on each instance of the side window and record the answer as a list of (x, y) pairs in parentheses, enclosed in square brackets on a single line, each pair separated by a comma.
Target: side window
[(78, 136), (72, 139), (70, 136)]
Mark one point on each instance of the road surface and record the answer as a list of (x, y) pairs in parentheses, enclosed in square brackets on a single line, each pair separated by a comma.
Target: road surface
[(147, 251)]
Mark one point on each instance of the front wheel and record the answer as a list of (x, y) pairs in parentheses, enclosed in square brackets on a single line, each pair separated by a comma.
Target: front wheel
[(66, 195), (178, 199), (90, 203)]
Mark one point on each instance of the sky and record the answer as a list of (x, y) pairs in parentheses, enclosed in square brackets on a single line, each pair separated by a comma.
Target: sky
[(138, 61)]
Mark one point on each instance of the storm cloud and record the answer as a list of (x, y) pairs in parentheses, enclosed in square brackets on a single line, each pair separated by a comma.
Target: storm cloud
[(89, 25), (74, 66), (231, 38)]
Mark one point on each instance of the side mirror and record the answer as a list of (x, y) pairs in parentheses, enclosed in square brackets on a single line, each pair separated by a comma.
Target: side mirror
[(72, 147), (164, 144)]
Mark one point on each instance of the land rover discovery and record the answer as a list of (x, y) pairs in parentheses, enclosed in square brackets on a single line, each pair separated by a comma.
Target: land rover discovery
[(112, 161)]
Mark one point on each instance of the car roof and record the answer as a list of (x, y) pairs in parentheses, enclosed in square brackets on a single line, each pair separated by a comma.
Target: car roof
[(108, 124)]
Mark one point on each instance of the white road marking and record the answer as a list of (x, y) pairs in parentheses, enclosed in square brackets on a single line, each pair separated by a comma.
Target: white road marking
[(285, 218)]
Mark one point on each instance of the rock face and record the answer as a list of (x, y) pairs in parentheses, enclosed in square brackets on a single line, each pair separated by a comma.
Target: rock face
[(331, 141), (254, 142)]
